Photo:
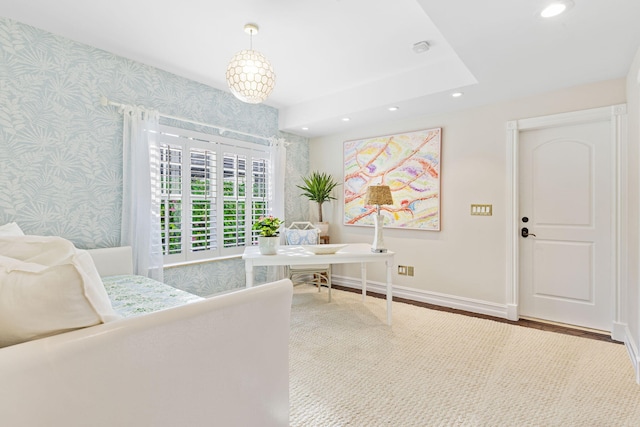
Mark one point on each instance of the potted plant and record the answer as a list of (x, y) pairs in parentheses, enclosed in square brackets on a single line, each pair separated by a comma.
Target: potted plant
[(317, 188), (268, 236)]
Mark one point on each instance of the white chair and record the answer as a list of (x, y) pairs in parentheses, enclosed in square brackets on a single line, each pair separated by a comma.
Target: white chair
[(304, 233)]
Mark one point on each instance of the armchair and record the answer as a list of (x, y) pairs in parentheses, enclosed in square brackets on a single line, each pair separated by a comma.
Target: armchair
[(304, 233)]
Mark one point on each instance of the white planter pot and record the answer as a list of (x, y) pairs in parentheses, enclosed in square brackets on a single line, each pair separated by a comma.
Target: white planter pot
[(268, 245)]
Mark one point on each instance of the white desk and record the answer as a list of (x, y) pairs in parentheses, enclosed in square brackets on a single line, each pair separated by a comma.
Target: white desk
[(296, 255)]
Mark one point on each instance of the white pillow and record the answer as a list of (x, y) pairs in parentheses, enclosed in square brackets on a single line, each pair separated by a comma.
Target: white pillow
[(47, 287), (11, 229)]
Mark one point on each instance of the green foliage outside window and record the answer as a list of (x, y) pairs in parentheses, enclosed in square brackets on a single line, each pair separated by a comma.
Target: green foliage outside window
[(203, 211), (174, 219)]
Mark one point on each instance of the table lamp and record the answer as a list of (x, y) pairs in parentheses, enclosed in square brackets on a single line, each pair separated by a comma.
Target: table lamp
[(378, 195)]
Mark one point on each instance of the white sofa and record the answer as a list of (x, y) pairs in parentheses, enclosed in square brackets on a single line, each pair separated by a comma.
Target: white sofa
[(222, 361)]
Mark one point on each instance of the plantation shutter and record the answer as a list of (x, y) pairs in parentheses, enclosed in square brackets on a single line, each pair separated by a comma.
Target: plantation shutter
[(171, 198), (213, 189), (203, 200), (260, 190), (235, 199)]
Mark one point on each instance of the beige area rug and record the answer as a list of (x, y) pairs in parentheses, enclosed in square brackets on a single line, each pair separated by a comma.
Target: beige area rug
[(432, 368)]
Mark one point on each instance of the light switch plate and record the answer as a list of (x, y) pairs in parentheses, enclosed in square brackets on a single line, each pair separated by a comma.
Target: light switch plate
[(482, 210)]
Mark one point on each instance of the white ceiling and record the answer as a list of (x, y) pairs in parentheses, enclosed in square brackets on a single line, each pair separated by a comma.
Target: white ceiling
[(354, 58)]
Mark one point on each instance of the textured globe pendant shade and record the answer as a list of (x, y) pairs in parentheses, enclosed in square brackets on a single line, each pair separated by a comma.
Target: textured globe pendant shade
[(249, 75)]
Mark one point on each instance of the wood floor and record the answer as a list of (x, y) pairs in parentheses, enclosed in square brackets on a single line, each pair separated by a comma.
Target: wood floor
[(601, 336)]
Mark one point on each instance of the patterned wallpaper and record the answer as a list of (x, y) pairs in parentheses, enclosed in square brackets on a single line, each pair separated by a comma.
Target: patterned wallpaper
[(61, 151)]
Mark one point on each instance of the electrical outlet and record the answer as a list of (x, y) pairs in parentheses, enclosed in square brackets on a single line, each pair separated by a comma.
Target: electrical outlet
[(404, 270)]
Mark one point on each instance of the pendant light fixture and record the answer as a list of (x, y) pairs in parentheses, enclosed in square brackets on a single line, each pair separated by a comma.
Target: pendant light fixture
[(249, 74)]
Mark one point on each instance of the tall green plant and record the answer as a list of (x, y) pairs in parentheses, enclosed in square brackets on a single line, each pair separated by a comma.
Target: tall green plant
[(317, 188)]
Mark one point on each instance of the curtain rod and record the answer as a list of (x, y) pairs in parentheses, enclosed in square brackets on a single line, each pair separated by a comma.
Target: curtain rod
[(104, 101)]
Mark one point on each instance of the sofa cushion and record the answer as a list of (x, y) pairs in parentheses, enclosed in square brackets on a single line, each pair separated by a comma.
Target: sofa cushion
[(47, 286), (11, 229)]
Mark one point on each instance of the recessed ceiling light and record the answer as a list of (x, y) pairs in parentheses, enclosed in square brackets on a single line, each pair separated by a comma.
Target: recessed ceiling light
[(457, 94), (305, 128), (345, 119), (556, 8), (393, 108)]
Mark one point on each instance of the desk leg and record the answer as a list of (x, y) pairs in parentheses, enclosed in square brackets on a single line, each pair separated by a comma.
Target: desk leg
[(363, 277), (248, 267), (389, 290)]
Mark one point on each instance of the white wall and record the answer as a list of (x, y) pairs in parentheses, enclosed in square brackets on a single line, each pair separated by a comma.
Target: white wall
[(467, 258), (633, 288)]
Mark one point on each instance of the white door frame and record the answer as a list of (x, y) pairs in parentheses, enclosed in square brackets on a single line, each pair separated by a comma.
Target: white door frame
[(617, 114)]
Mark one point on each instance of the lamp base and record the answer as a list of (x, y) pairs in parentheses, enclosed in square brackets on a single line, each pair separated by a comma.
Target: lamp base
[(378, 241)]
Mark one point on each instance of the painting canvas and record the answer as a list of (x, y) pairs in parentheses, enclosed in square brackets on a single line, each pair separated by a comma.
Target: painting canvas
[(409, 163)]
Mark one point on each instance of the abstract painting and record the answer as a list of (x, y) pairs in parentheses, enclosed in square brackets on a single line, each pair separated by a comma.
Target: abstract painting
[(409, 163)]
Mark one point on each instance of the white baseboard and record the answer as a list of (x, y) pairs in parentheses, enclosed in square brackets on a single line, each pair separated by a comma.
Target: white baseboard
[(632, 349), (619, 331), (444, 300)]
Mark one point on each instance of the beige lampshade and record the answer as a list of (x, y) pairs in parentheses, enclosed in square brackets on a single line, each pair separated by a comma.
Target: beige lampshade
[(378, 195)]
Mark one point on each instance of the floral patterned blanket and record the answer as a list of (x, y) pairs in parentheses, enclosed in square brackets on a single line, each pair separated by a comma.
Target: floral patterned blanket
[(135, 295)]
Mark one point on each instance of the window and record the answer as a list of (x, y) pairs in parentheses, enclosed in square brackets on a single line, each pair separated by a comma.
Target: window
[(212, 190)]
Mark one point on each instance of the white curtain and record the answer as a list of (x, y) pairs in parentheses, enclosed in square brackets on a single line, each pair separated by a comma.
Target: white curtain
[(277, 174), (141, 191)]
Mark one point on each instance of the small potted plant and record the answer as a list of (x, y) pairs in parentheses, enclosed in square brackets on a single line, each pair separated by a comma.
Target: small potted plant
[(317, 188), (268, 236)]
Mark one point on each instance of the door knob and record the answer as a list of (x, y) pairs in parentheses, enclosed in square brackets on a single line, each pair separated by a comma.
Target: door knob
[(525, 232)]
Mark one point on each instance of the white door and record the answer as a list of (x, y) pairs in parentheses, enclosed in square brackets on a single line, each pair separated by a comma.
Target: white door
[(565, 200)]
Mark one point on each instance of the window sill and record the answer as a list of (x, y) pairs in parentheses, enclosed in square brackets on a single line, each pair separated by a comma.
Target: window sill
[(201, 261)]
